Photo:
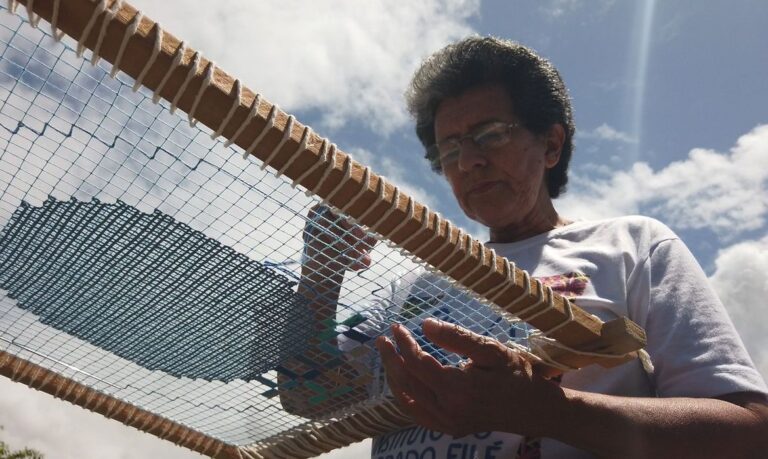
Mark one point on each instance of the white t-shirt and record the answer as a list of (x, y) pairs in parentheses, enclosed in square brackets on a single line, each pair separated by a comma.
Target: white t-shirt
[(630, 266)]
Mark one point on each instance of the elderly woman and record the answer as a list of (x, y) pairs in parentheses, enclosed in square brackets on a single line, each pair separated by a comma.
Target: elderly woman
[(496, 121)]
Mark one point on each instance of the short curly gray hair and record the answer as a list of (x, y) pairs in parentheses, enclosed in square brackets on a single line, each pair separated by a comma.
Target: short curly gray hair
[(538, 94)]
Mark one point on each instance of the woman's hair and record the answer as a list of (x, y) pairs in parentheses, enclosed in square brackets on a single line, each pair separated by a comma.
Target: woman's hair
[(537, 91)]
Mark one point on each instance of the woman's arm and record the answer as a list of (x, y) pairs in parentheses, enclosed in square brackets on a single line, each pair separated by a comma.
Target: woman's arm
[(498, 390), (732, 426), (332, 247)]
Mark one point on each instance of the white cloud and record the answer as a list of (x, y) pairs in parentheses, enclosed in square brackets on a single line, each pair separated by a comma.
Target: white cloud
[(343, 58), (725, 192), (60, 430), (556, 9), (608, 133), (741, 281)]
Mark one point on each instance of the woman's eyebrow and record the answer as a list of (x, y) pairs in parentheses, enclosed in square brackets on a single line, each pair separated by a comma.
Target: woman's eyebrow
[(472, 128)]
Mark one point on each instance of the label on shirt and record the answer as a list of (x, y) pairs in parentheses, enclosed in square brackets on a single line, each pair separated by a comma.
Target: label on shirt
[(420, 443)]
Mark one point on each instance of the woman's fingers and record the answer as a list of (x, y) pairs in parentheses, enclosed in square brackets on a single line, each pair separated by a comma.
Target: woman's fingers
[(484, 352), (335, 242)]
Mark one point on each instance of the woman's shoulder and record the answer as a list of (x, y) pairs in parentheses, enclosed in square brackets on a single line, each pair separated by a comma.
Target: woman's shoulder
[(636, 227)]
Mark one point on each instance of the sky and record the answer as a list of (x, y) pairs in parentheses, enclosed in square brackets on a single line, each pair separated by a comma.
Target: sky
[(669, 101)]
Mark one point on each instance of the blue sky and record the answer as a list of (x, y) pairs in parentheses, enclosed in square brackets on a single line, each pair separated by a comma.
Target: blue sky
[(670, 106)]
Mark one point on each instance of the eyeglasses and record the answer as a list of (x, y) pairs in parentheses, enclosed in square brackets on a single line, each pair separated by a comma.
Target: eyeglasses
[(486, 138)]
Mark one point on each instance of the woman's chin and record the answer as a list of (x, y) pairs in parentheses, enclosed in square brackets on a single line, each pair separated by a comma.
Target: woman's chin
[(489, 215)]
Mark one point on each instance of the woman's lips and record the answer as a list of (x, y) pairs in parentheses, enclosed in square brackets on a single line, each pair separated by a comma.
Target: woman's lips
[(482, 188)]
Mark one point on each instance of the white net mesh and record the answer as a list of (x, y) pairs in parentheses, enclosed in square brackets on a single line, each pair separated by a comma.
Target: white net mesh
[(149, 262)]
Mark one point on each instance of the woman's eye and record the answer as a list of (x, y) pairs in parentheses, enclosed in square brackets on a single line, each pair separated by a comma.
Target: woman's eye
[(449, 155), (490, 139)]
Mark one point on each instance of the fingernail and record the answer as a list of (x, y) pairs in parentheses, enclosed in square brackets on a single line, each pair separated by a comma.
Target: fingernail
[(381, 341), (431, 323)]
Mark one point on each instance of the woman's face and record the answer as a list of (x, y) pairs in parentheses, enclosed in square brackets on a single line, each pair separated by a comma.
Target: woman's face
[(502, 187)]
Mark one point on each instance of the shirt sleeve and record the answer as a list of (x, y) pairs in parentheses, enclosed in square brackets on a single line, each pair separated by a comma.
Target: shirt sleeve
[(695, 349)]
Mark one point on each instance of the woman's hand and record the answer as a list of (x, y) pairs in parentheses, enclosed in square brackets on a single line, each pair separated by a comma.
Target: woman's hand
[(332, 243), (496, 389)]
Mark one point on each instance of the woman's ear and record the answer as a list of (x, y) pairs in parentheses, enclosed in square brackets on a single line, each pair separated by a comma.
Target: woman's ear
[(555, 138)]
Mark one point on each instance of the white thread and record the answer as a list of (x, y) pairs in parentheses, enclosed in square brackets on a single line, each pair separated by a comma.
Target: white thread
[(177, 56), (131, 414), (446, 242), (460, 237), (536, 358), (569, 311), (320, 160), (55, 32), (304, 445), (335, 430), (209, 69), (199, 440), (34, 19), (191, 72), (302, 146), (377, 417), (346, 175), (456, 247), (391, 409), (285, 446), (100, 7), (109, 14), (645, 361), (183, 436), (254, 111), (329, 166), (509, 267), (357, 425), (541, 299), (33, 376), (380, 188), (435, 234), (289, 447), (467, 255), (361, 191), (253, 454), (88, 398), (129, 32), (152, 57), (167, 432), (389, 211), (324, 443), (522, 296), (49, 376), (286, 135), (409, 216), (70, 388), (491, 270), (424, 224), (341, 436), (237, 89), (112, 405), (270, 124), (156, 423), (539, 338)]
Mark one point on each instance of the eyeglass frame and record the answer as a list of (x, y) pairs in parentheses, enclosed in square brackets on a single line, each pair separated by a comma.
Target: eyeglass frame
[(434, 156)]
